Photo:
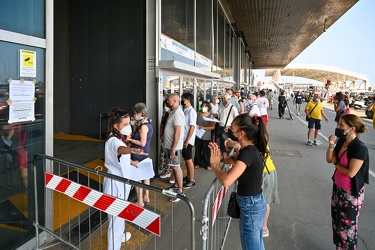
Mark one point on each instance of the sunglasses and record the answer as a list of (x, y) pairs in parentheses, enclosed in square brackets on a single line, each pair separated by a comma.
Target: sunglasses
[(120, 115)]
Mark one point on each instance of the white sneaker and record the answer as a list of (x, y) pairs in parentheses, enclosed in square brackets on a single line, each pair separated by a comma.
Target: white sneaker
[(266, 233), (126, 236), (165, 175), (316, 142), (309, 143)]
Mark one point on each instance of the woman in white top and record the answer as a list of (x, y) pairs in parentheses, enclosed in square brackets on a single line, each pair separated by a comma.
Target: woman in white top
[(117, 161)]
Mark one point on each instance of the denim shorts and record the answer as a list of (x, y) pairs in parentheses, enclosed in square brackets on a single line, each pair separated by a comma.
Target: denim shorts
[(253, 210), (175, 162)]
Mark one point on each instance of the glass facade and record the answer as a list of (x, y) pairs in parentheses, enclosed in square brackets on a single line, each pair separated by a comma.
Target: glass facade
[(19, 143), (214, 36), (23, 16), (20, 140)]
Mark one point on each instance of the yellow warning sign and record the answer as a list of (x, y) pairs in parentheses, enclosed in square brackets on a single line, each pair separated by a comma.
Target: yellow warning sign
[(27, 63), (28, 60)]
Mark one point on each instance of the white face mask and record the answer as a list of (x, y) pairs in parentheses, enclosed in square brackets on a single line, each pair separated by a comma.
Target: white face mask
[(204, 109), (126, 130), (217, 101), (166, 109), (317, 100)]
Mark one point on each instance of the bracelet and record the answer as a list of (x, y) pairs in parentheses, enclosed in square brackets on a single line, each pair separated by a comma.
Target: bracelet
[(331, 146)]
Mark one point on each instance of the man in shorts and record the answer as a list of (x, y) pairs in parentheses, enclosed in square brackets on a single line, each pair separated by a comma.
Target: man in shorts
[(314, 111), (298, 101), (173, 139), (189, 137)]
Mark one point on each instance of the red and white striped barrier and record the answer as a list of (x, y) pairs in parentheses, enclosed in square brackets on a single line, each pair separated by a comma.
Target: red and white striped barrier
[(138, 215), (219, 198)]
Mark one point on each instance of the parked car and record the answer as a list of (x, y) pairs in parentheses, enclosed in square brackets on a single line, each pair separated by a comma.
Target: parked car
[(4, 110)]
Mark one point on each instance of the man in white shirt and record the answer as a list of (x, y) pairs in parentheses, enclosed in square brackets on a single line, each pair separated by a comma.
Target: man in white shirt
[(263, 104), (189, 137), (227, 112)]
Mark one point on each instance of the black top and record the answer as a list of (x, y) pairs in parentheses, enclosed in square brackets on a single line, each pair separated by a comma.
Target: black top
[(282, 100), (356, 150), (250, 181)]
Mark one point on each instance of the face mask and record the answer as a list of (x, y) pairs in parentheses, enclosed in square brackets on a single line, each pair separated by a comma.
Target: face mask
[(126, 130), (204, 109), (217, 101), (182, 103), (166, 109), (136, 118), (340, 133), (317, 100), (250, 102), (132, 123), (169, 105), (224, 102)]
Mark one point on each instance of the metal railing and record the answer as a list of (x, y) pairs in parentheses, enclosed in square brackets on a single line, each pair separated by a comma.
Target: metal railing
[(215, 220), (81, 226)]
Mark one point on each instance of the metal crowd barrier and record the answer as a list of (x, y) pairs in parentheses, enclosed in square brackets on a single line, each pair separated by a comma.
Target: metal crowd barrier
[(215, 221), (80, 209)]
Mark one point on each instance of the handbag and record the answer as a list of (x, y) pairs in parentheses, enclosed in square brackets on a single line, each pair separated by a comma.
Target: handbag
[(233, 208), (307, 118)]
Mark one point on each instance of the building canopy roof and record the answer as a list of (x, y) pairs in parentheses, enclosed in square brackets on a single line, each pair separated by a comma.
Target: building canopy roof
[(277, 31)]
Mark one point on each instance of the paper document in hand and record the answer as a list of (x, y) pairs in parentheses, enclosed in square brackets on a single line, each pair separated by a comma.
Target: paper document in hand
[(199, 132), (210, 120), (144, 171)]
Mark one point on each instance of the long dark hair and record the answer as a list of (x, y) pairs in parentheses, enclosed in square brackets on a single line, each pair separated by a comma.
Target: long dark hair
[(255, 131), (115, 117)]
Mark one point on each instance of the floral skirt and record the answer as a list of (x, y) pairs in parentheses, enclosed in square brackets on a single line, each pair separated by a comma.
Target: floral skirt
[(345, 210)]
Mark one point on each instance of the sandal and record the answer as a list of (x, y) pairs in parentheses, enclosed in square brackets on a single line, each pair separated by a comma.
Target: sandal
[(208, 168)]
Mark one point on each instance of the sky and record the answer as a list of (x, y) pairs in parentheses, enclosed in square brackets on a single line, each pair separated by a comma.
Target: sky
[(348, 44)]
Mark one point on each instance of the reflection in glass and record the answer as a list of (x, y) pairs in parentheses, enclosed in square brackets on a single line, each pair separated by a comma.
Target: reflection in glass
[(18, 144)]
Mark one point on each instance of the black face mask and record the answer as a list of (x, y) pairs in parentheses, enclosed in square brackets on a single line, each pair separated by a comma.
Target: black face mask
[(168, 105), (182, 103), (340, 133)]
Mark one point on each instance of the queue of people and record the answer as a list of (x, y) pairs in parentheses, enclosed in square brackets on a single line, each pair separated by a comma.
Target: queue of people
[(215, 128)]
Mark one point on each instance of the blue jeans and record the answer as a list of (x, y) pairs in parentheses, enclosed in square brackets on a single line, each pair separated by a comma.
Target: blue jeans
[(253, 210)]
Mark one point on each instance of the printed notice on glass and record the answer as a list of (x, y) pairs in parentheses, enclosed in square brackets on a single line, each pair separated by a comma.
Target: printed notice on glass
[(21, 111), (21, 101), (27, 63)]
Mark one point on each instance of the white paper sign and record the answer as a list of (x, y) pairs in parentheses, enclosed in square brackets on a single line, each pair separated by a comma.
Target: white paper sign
[(19, 92), (22, 102), (21, 111)]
